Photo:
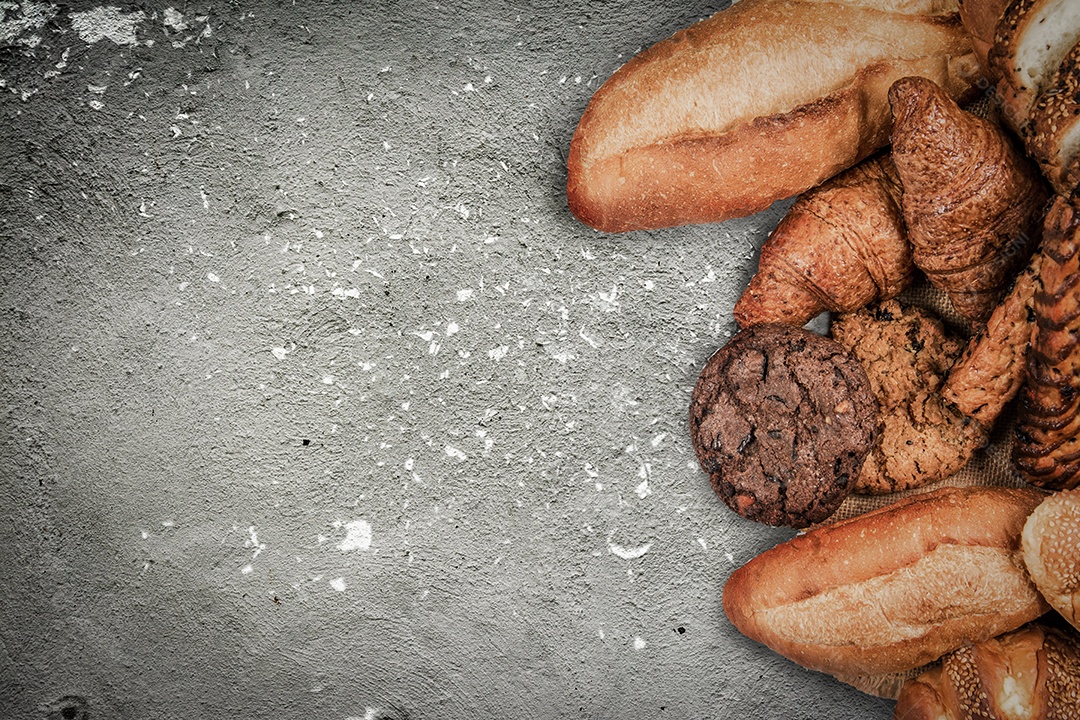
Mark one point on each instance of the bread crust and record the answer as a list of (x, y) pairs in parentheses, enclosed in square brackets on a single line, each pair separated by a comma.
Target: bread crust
[(1051, 544), (1054, 123), (691, 130), (895, 588), (1020, 81)]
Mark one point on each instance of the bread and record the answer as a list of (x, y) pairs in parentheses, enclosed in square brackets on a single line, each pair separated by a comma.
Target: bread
[(972, 202), (990, 371), (1047, 446), (1032, 67), (841, 246), (1052, 132), (1051, 544), (1031, 39), (759, 102), (980, 17), (1030, 674), (895, 588)]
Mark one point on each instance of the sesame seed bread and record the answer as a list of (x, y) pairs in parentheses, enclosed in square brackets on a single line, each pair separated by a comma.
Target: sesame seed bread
[(1051, 544)]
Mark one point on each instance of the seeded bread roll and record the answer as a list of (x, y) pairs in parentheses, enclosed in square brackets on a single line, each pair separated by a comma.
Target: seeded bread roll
[(893, 589), (1051, 543)]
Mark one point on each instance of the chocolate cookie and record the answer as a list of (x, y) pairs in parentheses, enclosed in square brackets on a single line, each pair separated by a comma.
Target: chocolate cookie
[(781, 420)]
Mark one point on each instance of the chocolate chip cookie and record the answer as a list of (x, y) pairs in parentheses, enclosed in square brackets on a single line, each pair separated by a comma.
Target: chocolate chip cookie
[(781, 420)]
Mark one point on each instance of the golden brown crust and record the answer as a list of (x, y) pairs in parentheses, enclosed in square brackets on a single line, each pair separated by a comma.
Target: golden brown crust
[(1051, 544), (1047, 447), (841, 246), (757, 103), (895, 588), (991, 370), (972, 201), (980, 18)]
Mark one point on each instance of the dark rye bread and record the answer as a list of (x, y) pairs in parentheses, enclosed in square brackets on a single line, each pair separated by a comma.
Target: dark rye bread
[(781, 420)]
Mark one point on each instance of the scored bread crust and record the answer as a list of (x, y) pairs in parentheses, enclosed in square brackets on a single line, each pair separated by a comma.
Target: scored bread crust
[(756, 103), (895, 588)]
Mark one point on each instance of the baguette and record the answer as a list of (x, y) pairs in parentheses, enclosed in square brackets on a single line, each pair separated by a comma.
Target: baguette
[(759, 102), (895, 588)]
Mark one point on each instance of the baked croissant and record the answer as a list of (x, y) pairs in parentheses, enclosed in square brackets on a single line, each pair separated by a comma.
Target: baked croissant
[(972, 202), (841, 246), (1047, 447), (1033, 672)]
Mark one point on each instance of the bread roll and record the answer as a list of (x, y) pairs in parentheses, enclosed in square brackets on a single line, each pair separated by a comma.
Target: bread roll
[(1051, 544), (1030, 674), (895, 588), (759, 102)]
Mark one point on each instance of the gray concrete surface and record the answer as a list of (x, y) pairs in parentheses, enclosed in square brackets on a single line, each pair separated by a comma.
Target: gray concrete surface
[(318, 403)]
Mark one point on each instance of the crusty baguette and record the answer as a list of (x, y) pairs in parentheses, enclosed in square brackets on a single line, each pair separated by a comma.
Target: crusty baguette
[(759, 102), (895, 588)]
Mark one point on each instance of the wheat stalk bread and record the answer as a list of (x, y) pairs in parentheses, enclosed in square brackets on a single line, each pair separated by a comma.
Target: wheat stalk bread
[(759, 102), (895, 588)]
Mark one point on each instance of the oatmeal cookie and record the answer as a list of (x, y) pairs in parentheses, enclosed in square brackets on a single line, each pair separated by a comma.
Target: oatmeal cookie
[(907, 354)]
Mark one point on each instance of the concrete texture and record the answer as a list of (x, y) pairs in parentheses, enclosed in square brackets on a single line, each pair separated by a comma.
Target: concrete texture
[(318, 403)]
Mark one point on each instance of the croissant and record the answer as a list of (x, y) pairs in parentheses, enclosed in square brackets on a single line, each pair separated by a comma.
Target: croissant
[(1033, 672), (972, 202), (1047, 447), (990, 371), (841, 246)]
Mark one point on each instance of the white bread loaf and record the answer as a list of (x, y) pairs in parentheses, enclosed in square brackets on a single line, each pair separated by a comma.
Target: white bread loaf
[(895, 588), (1051, 543), (759, 102)]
